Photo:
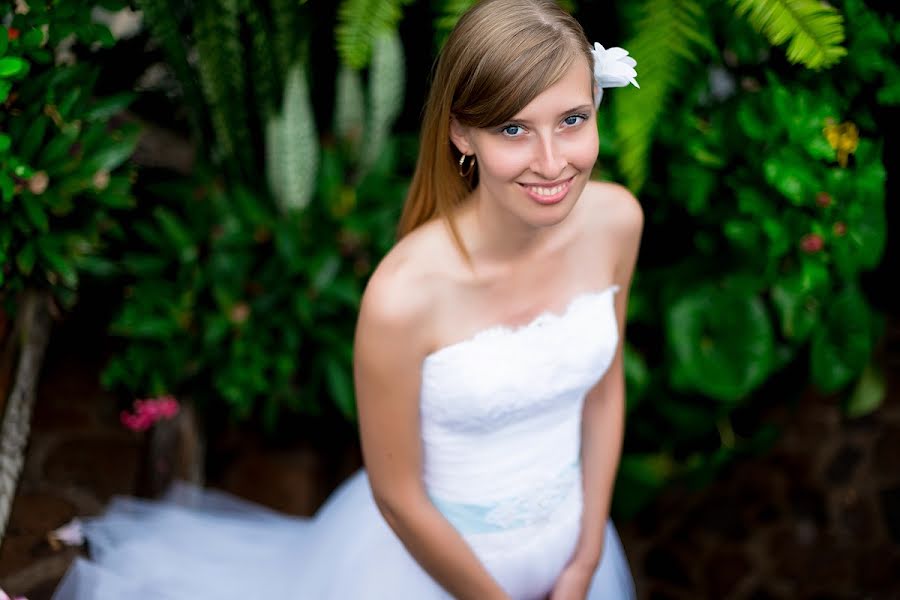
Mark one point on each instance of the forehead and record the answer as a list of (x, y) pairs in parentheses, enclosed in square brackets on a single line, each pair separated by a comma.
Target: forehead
[(574, 88)]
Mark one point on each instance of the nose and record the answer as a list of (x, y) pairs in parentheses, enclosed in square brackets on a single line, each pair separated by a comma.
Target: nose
[(548, 161)]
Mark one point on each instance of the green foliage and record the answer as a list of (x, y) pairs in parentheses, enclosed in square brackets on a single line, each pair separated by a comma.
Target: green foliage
[(259, 314), (360, 23), (663, 47), (235, 306), (767, 210), (448, 13), (670, 37), (815, 29), (63, 170)]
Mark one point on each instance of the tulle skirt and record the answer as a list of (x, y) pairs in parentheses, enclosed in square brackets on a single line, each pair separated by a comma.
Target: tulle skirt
[(199, 543)]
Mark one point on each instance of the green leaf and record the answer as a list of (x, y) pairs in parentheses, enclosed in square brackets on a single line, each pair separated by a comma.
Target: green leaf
[(26, 258), (637, 375), (359, 22), (34, 137), (114, 153), (11, 66), (868, 394), (7, 187), (340, 387), (177, 234), (815, 30), (797, 304), (722, 342), (35, 212), (103, 109), (51, 252), (5, 143), (668, 39), (842, 345), (789, 174), (32, 39), (5, 89)]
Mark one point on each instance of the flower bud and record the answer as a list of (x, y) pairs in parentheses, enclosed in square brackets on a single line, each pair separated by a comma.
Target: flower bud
[(811, 243), (37, 185)]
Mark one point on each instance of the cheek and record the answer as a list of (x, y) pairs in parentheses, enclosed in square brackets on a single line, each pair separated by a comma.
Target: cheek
[(506, 162), (584, 150)]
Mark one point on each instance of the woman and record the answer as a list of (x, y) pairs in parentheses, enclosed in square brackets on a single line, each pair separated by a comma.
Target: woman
[(488, 365)]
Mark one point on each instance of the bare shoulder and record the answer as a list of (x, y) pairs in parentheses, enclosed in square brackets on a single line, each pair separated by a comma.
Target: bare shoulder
[(611, 209), (612, 223), (400, 295)]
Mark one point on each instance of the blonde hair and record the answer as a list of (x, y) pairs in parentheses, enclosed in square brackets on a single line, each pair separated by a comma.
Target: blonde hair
[(498, 58)]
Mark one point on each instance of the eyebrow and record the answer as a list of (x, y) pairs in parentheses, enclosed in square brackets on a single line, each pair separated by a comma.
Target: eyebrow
[(579, 108)]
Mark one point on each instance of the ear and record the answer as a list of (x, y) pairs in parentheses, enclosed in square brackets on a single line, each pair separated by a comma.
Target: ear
[(459, 135)]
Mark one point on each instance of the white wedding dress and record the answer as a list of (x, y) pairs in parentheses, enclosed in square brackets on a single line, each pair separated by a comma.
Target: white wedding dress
[(500, 419)]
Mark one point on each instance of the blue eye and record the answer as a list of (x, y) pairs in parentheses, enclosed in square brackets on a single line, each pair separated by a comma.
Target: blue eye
[(511, 130), (574, 119)]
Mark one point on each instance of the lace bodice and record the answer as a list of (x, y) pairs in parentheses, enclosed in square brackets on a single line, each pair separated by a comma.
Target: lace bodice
[(501, 415)]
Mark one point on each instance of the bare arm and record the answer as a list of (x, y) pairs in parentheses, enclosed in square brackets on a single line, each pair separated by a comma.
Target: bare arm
[(389, 349), (603, 420)]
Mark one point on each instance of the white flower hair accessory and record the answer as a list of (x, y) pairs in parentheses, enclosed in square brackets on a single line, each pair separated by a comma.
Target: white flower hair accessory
[(612, 68)]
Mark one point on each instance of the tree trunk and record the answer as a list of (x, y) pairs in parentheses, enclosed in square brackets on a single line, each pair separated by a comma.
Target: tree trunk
[(31, 334)]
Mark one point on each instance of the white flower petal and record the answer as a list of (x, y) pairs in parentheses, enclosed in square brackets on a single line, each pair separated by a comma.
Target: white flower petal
[(616, 53)]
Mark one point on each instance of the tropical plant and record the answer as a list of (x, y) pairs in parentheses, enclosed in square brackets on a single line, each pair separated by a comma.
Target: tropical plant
[(243, 287), (765, 212), (63, 171)]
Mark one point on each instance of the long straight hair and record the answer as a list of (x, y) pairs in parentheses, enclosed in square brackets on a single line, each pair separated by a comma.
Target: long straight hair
[(498, 58)]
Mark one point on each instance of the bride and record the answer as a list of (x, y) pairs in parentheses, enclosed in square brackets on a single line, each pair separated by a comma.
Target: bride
[(487, 365)]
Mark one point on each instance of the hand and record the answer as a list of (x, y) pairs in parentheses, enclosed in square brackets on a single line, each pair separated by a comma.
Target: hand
[(572, 583)]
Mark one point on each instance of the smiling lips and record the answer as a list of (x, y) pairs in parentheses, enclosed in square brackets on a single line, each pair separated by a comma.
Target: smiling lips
[(548, 193)]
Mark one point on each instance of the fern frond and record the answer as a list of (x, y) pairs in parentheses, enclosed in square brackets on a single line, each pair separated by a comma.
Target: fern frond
[(448, 15), (266, 81), (284, 19), (360, 22), (220, 62), (815, 29), (386, 87), (668, 37)]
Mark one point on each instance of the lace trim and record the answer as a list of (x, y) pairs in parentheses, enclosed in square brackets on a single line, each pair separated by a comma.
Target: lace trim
[(540, 320)]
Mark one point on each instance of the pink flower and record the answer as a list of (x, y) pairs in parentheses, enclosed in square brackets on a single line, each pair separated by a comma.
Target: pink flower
[(812, 242), (823, 199), (147, 412)]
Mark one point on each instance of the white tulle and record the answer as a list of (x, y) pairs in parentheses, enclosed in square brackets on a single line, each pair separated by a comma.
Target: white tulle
[(500, 418)]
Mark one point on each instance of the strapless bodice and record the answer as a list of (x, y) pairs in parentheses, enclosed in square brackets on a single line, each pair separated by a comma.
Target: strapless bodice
[(500, 415)]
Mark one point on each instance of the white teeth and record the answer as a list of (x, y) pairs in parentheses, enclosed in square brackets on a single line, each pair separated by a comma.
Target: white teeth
[(544, 191)]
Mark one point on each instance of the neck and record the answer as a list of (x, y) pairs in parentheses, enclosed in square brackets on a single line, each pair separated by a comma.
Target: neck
[(496, 236)]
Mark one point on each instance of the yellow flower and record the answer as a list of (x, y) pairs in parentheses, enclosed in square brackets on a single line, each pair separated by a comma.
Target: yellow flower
[(843, 137)]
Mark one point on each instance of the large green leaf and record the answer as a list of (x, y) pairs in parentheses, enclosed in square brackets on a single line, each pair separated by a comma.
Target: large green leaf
[(721, 341)]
